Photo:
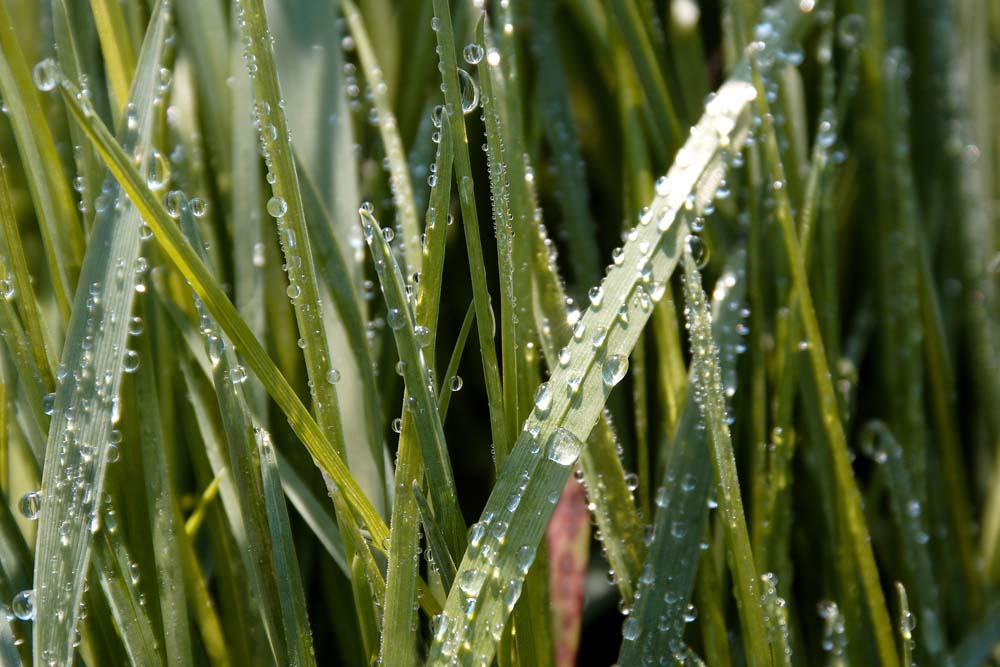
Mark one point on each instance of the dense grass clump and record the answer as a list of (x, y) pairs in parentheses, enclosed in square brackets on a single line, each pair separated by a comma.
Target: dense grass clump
[(730, 269)]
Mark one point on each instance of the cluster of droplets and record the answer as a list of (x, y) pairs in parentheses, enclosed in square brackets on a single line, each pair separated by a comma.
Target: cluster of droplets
[(834, 641), (776, 616)]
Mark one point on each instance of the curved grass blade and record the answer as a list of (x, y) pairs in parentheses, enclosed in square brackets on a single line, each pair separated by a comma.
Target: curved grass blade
[(50, 193), (85, 406), (682, 505), (451, 377), (502, 545), (399, 171), (614, 508), (294, 617), (179, 252)]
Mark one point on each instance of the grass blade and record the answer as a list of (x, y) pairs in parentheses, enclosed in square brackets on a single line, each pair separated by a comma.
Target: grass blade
[(567, 407), (81, 451), (291, 594)]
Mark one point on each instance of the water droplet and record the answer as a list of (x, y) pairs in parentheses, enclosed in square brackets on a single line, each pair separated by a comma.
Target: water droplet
[(131, 363), (157, 170), (699, 251), (851, 30), (333, 376), (198, 207), (23, 605), (564, 447), (470, 91), (134, 574), (30, 505), (238, 375), (293, 291), (276, 207), (395, 318), (662, 186), (471, 581), (472, 53), (596, 295), (631, 629), (48, 403), (614, 369), (543, 397), (46, 75), (456, 382)]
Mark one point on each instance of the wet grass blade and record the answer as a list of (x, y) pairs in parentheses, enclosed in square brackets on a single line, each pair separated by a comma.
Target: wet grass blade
[(119, 54), (708, 391), (657, 621), (291, 594), (179, 252), (399, 171), (485, 323), (50, 193), (88, 396), (451, 380), (848, 495), (423, 407), (443, 564), (503, 544)]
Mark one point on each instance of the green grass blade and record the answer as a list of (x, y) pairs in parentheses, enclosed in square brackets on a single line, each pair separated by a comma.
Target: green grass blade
[(119, 54), (681, 508), (504, 542), (179, 252), (50, 193), (423, 407), (291, 594), (470, 220), (706, 385), (108, 280), (451, 379), (27, 303), (847, 490), (443, 563), (164, 525), (8, 647), (399, 171), (313, 512)]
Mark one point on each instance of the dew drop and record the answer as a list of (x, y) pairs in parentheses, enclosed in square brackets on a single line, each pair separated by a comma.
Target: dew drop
[(131, 363), (333, 376), (614, 369), (699, 251), (157, 170), (472, 53), (30, 505), (276, 207), (46, 75), (456, 382), (23, 605), (564, 447), (470, 92), (395, 318), (543, 397)]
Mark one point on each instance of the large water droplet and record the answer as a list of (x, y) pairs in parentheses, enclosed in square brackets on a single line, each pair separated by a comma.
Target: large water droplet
[(470, 91), (543, 397), (30, 505), (614, 369), (276, 207), (472, 53), (46, 75), (23, 605), (157, 170), (564, 447)]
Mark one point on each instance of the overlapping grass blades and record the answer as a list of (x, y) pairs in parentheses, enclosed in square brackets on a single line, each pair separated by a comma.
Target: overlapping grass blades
[(502, 545), (85, 406)]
